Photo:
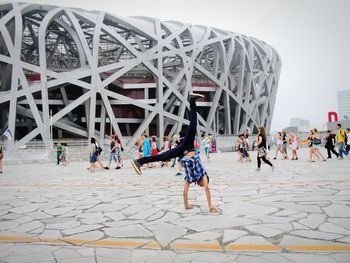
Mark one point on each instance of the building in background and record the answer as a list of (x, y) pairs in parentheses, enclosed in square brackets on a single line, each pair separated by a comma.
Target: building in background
[(70, 73), (343, 99), (299, 122)]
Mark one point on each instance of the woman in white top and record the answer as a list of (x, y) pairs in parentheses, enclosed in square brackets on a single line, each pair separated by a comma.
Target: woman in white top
[(279, 144)]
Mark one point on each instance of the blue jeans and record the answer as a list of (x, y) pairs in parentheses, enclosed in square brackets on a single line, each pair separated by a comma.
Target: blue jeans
[(112, 156), (185, 145), (341, 149)]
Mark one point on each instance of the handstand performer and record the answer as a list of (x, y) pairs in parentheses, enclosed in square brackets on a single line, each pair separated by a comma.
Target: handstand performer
[(193, 168)]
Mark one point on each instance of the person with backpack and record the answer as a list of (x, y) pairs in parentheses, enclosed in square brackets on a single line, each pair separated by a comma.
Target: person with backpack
[(1, 158), (98, 151), (112, 153), (261, 147), (347, 141), (58, 152), (92, 155), (330, 139), (192, 165), (341, 137)]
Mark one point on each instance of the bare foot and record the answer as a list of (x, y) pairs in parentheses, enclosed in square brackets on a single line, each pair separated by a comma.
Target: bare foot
[(189, 207), (213, 209)]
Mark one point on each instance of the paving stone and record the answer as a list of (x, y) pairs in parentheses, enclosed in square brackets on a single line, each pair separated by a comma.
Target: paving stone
[(342, 222), (316, 234), (89, 236), (335, 210), (313, 220), (128, 231), (86, 252), (243, 208), (264, 230), (25, 209), (122, 255), (134, 209), (252, 240), (58, 211), (328, 227), (105, 208), (341, 257), (207, 235), (149, 256), (54, 234), (91, 221), (144, 214), (5, 225), (38, 215), (27, 227), (66, 253), (231, 235), (63, 225), (310, 258), (251, 259), (168, 217), (165, 232), (80, 229)]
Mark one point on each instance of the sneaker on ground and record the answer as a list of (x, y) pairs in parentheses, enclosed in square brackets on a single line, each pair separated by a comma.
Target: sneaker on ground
[(137, 166)]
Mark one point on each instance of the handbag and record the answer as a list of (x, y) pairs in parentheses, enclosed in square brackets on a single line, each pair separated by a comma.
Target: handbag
[(316, 141), (261, 152)]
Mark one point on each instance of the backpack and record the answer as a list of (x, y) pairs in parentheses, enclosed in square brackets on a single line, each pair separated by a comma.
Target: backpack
[(98, 149), (345, 138)]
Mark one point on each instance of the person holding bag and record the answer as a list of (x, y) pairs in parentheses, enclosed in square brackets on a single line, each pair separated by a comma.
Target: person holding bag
[(261, 146), (1, 158)]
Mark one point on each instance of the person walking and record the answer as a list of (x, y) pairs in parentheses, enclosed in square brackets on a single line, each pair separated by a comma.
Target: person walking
[(316, 144), (278, 144), (330, 140), (206, 145), (294, 146), (92, 155), (118, 152), (284, 145), (261, 147), (1, 158), (341, 141), (112, 152), (347, 140), (58, 152)]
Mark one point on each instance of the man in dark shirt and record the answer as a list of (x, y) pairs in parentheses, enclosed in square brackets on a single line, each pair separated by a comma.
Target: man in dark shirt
[(330, 140)]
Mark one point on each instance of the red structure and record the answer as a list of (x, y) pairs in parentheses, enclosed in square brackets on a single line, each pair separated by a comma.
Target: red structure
[(332, 114)]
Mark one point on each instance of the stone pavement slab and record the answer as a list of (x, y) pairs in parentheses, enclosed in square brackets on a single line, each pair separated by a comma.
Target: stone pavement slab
[(67, 214)]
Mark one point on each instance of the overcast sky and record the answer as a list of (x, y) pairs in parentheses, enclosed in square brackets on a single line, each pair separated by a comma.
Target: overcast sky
[(312, 37)]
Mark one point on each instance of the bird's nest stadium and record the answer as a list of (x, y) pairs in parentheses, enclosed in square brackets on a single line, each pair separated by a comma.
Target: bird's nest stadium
[(72, 73)]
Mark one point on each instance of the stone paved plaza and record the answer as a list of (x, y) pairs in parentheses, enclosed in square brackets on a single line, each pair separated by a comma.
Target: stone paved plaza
[(298, 213)]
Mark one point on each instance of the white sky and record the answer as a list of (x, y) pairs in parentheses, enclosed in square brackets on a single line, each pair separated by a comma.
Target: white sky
[(312, 37)]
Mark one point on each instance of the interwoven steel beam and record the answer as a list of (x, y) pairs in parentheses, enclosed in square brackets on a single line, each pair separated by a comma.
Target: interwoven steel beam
[(103, 72)]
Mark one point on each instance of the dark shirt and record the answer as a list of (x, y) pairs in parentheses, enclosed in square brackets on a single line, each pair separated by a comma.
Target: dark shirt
[(112, 146), (329, 142), (263, 142)]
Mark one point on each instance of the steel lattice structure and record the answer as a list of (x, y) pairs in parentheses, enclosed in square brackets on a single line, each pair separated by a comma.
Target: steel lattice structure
[(85, 73)]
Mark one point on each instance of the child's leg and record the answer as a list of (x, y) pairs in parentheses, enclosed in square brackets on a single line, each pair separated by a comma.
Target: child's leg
[(173, 153), (204, 182), (185, 195)]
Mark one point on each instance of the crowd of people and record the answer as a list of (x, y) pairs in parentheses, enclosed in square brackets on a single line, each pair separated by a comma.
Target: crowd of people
[(285, 142)]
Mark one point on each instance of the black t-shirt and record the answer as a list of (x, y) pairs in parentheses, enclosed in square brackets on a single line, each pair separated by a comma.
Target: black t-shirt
[(112, 146), (263, 142)]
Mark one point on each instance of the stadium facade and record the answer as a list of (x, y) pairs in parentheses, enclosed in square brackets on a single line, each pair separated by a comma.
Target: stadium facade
[(67, 72)]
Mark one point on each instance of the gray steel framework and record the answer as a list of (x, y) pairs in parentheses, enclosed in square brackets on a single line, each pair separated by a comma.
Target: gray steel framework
[(102, 59)]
